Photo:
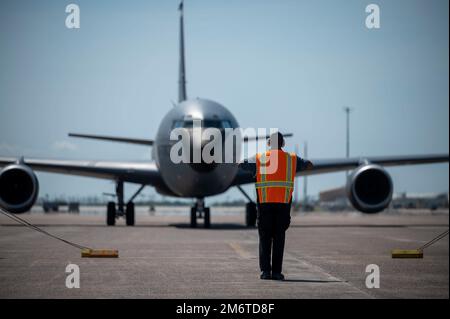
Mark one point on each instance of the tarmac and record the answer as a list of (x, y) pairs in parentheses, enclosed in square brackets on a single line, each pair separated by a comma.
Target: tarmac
[(326, 256)]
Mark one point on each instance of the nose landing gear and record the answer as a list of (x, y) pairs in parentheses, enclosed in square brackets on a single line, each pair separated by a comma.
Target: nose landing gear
[(198, 210)]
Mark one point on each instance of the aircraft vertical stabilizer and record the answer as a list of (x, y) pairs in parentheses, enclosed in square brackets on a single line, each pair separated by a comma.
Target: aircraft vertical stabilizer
[(182, 96)]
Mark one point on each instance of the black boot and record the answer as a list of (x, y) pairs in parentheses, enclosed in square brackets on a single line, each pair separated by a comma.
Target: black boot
[(265, 275), (277, 276)]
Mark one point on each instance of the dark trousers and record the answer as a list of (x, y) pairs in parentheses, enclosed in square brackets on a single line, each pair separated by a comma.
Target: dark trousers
[(273, 221)]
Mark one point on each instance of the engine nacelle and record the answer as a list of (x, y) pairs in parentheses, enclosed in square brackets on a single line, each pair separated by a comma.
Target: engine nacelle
[(19, 188), (370, 188)]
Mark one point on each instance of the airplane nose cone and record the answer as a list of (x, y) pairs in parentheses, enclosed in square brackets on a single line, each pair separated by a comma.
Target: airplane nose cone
[(202, 166)]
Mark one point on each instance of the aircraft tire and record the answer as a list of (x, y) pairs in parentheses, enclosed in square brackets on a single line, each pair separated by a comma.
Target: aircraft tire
[(207, 217), (250, 214), (111, 214), (129, 214), (194, 217)]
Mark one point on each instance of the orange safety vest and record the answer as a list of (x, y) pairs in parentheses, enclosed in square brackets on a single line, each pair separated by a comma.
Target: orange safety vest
[(275, 172)]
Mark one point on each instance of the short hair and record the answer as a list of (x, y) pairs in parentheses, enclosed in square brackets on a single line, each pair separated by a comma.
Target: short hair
[(278, 137)]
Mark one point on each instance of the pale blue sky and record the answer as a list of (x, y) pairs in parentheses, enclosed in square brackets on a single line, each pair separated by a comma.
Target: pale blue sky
[(287, 64)]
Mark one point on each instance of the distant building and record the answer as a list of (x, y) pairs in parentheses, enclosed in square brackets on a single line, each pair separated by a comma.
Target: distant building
[(334, 199), (424, 201), (332, 195)]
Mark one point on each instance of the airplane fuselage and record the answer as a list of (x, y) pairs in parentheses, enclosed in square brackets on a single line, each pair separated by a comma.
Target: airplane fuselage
[(194, 179)]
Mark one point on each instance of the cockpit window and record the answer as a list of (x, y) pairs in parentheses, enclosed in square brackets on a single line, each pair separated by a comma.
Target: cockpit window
[(182, 124), (226, 124), (177, 124), (211, 123), (220, 124)]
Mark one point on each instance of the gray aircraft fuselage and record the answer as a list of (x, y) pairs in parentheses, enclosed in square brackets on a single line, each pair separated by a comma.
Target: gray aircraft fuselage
[(194, 179)]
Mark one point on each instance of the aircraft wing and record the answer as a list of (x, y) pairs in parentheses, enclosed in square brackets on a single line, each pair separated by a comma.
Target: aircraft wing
[(263, 137), (129, 140), (246, 171), (134, 172)]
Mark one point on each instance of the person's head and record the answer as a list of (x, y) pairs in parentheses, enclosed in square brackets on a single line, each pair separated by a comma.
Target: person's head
[(276, 141)]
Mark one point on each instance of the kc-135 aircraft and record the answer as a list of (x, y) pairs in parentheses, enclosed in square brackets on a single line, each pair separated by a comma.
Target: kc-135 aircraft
[(369, 186)]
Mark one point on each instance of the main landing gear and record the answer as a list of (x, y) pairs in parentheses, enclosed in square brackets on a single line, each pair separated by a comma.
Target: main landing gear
[(250, 214), (250, 210), (121, 209), (198, 210)]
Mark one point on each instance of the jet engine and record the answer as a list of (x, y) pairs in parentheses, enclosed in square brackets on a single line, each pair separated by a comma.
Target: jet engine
[(19, 188), (370, 188)]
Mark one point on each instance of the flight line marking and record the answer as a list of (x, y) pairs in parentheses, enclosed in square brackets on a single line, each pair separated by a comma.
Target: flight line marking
[(240, 251)]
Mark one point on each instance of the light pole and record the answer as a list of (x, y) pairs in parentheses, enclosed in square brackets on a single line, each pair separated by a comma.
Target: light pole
[(305, 180), (297, 198)]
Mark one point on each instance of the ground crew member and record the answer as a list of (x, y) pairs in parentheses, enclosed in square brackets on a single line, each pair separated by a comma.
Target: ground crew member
[(275, 172)]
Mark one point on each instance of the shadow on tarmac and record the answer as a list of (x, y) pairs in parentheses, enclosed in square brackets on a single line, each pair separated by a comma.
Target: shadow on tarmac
[(231, 226), (226, 226), (312, 281), (222, 226)]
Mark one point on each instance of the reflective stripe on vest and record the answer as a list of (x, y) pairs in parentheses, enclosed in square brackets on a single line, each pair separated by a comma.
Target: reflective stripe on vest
[(288, 191), (263, 179), (275, 185)]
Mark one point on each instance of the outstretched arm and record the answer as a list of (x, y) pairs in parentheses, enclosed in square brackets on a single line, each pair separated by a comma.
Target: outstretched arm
[(304, 165)]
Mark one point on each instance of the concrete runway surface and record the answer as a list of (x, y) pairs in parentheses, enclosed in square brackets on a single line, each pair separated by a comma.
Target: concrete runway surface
[(326, 256)]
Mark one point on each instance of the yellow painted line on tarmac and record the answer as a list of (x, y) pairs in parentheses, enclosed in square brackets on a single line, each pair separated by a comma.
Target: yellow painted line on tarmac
[(240, 251)]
